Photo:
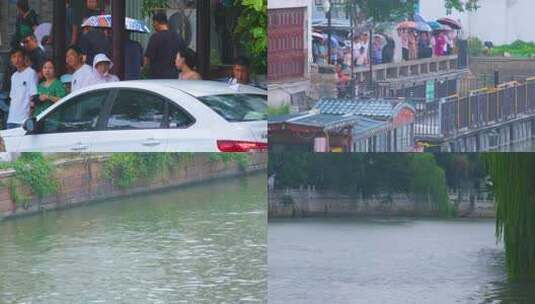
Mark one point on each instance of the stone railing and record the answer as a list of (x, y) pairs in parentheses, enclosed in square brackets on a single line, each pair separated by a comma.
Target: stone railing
[(410, 68)]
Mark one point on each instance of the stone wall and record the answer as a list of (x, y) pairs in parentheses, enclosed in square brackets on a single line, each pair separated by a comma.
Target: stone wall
[(509, 68), (310, 203), (81, 181)]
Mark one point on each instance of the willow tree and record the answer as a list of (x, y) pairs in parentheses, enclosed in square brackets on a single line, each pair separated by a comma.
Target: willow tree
[(513, 177)]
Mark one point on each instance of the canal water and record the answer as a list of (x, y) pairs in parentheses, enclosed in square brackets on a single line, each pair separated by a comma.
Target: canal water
[(199, 244), (382, 261)]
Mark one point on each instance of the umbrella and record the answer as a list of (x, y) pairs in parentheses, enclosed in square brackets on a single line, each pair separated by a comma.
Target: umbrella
[(407, 25), (451, 23), (383, 39), (435, 26), (318, 35), (133, 25), (445, 28), (419, 18), (423, 27), (42, 30)]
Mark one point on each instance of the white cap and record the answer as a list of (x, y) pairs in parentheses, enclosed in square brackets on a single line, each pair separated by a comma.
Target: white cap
[(101, 58)]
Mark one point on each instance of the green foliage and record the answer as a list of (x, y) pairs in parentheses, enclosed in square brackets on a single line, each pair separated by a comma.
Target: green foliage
[(516, 49), (149, 6), (513, 177), (428, 180), (427, 176), (242, 159), (122, 169), (125, 169), (251, 31), (394, 10), (475, 46), (37, 173), (461, 5), (282, 110)]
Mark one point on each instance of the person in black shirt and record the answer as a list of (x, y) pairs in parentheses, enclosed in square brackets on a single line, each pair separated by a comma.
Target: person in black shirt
[(93, 42), (77, 18), (27, 21), (162, 49), (35, 53)]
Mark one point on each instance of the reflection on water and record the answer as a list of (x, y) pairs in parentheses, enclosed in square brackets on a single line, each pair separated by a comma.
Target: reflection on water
[(389, 261), (200, 244)]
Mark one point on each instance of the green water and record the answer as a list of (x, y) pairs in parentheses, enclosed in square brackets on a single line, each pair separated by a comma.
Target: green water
[(198, 244), (389, 261)]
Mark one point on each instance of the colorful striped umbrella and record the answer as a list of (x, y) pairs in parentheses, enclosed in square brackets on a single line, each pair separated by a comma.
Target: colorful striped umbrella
[(104, 21)]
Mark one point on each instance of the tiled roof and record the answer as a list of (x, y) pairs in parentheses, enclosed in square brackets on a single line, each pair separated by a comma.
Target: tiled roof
[(366, 126), (377, 108), (325, 121)]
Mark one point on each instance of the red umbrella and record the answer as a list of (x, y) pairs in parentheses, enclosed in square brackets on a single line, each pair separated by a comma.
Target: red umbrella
[(407, 25), (456, 25)]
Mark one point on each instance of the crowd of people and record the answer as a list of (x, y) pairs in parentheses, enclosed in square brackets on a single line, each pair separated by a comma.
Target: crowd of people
[(32, 79), (396, 46)]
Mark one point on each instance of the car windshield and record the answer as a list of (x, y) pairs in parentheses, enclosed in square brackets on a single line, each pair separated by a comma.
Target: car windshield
[(238, 107)]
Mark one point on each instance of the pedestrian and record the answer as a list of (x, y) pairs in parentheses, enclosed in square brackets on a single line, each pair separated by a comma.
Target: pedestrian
[(361, 58), (398, 51), (162, 49), (35, 52), (404, 43), (23, 89), (240, 72), (388, 50), (101, 71), (91, 9), (27, 21), (186, 63), (82, 71), (424, 46), (94, 41), (440, 44), (133, 59), (377, 50), (50, 90), (413, 45)]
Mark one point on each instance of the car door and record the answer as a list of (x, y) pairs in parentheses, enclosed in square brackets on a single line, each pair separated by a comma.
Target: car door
[(185, 134), (71, 127), (135, 122)]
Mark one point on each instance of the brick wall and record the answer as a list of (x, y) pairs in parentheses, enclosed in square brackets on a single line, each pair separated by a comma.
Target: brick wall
[(82, 181)]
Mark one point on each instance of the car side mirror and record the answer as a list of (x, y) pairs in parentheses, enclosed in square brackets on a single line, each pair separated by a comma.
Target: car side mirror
[(29, 125)]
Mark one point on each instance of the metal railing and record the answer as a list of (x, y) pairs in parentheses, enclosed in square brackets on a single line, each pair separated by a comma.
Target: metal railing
[(482, 108)]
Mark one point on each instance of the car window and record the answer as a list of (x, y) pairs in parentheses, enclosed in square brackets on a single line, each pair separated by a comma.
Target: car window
[(178, 118), (76, 115), (238, 107), (136, 110)]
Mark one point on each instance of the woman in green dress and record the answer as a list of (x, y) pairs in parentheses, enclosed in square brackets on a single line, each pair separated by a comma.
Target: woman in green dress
[(50, 90)]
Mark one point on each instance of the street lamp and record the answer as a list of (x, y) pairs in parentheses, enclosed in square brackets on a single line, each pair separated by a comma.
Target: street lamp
[(326, 5), (327, 9)]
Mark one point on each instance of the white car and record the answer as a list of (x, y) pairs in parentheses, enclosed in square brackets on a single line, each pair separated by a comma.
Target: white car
[(149, 116)]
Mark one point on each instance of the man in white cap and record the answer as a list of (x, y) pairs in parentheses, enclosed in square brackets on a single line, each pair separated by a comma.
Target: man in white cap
[(101, 70)]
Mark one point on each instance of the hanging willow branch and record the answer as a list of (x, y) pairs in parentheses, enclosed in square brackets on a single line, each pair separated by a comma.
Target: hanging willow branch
[(513, 176)]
